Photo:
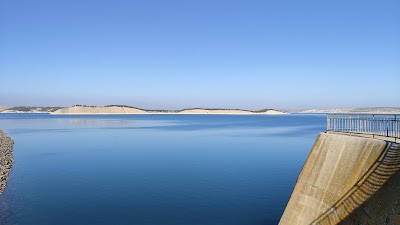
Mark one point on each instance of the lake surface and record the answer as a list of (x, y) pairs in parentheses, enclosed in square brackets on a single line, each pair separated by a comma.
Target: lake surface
[(154, 169)]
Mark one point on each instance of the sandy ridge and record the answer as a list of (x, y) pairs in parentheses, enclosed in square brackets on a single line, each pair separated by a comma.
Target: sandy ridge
[(131, 110), (99, 110)]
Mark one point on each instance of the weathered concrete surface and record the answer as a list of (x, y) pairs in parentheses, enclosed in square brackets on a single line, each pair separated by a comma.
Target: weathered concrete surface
[(6, 159), (383, 207), (342, 177)]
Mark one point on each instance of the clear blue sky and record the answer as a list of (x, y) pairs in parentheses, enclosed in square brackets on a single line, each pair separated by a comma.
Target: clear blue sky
[(200, 53)]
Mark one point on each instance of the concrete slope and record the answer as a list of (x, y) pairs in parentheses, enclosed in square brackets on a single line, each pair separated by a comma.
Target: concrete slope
[(341, 173)]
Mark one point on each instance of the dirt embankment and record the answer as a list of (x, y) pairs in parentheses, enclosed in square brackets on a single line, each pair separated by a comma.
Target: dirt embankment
[(6, 159)]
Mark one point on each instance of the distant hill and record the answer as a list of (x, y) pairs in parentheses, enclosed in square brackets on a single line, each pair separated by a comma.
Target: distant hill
[(30, 109), (228, 111), (99, 110), (123, 109), (373, 110)]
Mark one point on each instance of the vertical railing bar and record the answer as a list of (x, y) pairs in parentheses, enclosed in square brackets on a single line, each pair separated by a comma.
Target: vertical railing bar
[(396, 128), (327, 122)]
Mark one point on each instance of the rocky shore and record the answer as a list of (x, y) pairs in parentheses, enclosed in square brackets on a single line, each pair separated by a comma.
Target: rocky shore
[(6, 159)]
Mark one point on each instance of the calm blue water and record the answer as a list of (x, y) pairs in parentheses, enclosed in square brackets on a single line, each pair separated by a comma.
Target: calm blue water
[(154, 169)]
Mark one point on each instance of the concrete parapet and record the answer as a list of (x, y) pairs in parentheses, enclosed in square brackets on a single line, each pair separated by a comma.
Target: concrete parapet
[(341, 182)]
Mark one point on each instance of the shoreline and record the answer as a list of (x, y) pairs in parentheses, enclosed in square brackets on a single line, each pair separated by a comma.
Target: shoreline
[(6, 159)]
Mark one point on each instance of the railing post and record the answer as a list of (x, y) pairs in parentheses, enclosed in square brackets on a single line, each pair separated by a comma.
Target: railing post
[(350, 125), (334, 124), (327, 122), (373, 124), (397, 124), (387, 126)]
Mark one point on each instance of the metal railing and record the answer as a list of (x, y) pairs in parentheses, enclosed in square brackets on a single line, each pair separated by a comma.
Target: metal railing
[(387, 125)]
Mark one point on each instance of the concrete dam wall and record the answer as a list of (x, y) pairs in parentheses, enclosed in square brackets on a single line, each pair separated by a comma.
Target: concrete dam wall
[(347, 180), (6, 159)]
